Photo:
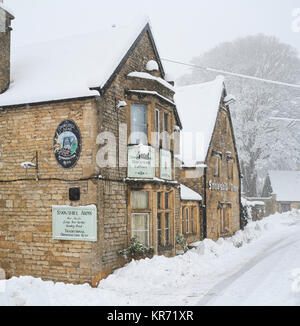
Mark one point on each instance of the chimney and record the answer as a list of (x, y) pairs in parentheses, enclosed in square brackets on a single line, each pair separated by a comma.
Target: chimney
[(5, 40)]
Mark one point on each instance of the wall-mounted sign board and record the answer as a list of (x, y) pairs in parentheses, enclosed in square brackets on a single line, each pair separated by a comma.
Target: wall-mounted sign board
[(74, 223), (141, 161)]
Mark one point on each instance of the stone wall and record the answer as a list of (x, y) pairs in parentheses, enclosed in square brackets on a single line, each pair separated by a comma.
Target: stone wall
[(222, 141), (270, 204), (26, 244), (115, 213)]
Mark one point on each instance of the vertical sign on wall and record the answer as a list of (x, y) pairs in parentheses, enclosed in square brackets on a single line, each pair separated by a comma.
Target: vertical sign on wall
[(165, 164)]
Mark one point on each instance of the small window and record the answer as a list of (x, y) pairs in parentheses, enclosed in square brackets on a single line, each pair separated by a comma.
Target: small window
[(140, 227), (140, 199), (157, 126), (166, 124), (192, 220), (159, 200), (187, 216), (285, 208), (230, 168), (166, 200), (165, 131), (217, 165)]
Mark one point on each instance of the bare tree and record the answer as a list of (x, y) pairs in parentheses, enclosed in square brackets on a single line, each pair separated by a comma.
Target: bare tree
[(262, 143)]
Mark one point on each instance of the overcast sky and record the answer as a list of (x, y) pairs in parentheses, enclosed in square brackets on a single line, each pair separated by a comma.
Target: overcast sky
[(183, 29)]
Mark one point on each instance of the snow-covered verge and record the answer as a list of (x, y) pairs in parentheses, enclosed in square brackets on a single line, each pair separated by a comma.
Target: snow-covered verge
[(181, 280), (296, 280)]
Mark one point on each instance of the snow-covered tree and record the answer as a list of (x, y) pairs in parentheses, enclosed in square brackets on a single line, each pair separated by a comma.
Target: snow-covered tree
[(262, 143)]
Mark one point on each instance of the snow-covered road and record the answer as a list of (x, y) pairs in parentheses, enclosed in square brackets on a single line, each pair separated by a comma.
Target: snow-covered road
[(257, 266), (264, 280)]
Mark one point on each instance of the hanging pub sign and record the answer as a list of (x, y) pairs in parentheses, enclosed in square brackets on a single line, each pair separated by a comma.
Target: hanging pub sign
[(67, 144)]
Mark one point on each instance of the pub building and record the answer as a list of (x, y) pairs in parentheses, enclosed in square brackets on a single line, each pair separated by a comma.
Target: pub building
[(87, 154), (88, 131), (209, 157)]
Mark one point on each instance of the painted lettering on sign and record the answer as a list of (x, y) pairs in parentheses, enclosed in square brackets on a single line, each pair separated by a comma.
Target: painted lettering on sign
[(222, 186), (74, 223), (141, 161)]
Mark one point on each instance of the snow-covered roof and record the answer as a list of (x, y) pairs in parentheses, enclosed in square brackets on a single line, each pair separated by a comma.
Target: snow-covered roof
[(286, 185), (246, 202), (145, 75), (187, 193), (69, 67), (9, 11), (198, 107)]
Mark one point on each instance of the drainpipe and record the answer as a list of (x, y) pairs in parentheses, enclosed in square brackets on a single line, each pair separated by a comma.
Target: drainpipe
[(204, 209)]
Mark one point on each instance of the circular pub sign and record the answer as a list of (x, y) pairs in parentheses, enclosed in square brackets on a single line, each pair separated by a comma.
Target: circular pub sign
[(67, 144)]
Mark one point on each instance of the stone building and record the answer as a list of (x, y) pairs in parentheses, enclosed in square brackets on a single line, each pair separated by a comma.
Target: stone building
[(281, 191), (87, 157), (209, 155)]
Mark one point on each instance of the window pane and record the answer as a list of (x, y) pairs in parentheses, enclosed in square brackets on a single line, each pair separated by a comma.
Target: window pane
[(140, 199), (142, 237), (216, 172), (166, 139), (187, 220), (157, 126), (165, 122), (166, 200), (183, 228), (159, 229), (139, 127), (159, 200), (192, 219), (140, 227), (167, 237)]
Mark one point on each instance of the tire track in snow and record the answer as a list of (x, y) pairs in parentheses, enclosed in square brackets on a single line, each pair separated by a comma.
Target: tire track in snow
[(273, 248)]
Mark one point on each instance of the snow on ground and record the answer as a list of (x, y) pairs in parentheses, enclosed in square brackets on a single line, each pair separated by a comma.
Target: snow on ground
[(213, 273)]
